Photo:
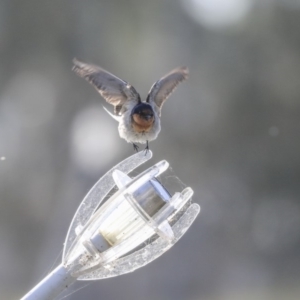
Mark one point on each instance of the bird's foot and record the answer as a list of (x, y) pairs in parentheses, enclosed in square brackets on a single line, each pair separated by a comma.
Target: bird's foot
[(135, 147), (146, 149)]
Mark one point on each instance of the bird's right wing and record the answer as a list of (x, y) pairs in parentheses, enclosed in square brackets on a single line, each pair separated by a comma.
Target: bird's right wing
[(113, 89)]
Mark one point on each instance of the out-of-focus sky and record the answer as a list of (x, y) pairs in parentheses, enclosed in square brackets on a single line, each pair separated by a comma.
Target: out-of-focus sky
[(231, 132)]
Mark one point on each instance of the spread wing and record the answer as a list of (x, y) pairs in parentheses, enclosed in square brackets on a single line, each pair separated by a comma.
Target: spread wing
[(163, 88), (113, 89)]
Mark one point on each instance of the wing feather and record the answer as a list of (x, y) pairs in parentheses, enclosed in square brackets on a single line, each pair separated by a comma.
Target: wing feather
[(163, 88), (113, 89)]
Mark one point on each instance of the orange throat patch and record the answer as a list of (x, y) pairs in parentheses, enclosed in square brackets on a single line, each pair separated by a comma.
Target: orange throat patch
[(141, 125)]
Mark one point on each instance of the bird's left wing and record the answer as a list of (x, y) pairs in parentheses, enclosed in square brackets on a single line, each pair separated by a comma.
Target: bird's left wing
[(163, 88)]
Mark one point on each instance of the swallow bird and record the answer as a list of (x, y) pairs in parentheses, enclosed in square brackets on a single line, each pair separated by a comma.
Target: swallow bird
[(139, 121)]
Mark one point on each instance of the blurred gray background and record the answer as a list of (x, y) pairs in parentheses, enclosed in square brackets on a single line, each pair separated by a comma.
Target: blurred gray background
[(231, 132)]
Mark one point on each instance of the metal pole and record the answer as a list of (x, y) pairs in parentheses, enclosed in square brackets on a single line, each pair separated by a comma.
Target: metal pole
[(52, 285)]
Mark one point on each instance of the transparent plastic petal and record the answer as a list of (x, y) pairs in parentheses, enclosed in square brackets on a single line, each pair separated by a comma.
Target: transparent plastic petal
[(145, 255), (96, 195)]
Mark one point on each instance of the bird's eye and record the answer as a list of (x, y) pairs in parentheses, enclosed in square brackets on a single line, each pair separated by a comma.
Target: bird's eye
[(146, 113)]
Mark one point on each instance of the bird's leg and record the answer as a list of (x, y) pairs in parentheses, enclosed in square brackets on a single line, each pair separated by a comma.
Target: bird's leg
[(135, 147), (147, 148)]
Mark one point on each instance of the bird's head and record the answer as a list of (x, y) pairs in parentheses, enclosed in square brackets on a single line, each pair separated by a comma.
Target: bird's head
[(143, 114)]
